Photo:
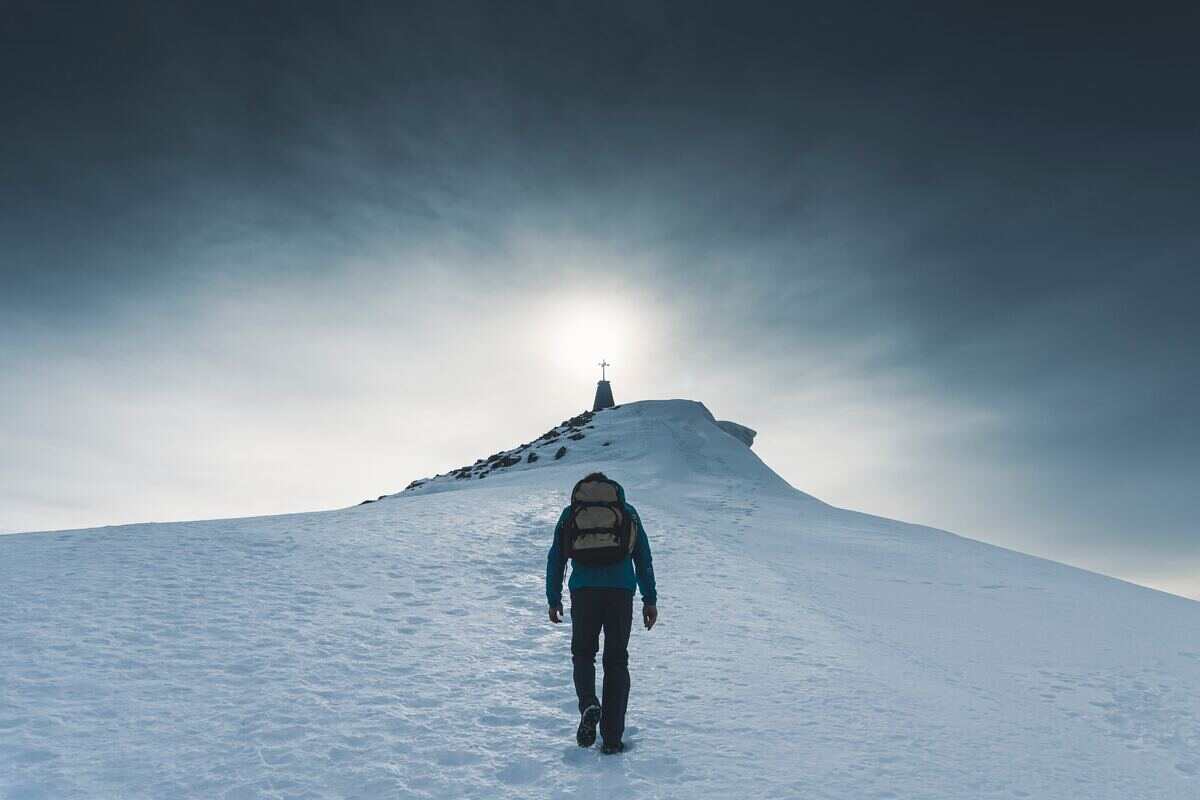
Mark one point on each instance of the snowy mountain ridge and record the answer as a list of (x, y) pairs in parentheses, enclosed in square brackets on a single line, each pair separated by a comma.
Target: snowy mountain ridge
[(624, 436), (400, 649)]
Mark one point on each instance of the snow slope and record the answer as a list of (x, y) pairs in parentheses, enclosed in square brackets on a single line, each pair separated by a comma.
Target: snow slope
[(400, 649)]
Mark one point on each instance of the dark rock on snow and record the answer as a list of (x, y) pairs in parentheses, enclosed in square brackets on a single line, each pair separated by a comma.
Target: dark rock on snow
[(571, 428)]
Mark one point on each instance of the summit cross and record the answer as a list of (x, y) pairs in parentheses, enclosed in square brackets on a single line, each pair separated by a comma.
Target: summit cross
[(602, 365)]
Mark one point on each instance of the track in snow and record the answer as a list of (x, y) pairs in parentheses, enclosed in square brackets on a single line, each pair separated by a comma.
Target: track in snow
[(401, 649)]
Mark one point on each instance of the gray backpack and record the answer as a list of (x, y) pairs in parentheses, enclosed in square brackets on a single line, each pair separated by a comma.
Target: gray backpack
[(598, 530)]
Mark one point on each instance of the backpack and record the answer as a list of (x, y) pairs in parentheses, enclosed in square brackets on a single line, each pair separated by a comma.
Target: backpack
[(598, 530)]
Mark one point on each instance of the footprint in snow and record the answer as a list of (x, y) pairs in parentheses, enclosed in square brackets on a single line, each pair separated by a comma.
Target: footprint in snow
[(521, 771), (456, 758)]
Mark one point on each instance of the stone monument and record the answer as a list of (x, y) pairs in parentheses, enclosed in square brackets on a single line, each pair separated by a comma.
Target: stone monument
[(604, 397)]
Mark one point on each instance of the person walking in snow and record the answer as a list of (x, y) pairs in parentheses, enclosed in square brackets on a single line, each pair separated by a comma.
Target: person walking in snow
[(603, 537)]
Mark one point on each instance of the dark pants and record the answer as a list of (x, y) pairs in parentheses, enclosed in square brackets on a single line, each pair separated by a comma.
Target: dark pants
[(610, 610)]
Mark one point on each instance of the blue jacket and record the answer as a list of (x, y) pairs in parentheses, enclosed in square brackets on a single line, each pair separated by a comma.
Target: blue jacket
[(636, 570)]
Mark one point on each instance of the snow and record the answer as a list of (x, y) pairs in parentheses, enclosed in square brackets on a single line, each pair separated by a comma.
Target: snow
[(401, 649), (740, 432)]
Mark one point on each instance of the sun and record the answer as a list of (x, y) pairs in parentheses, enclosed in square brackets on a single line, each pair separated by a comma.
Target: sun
[(586, 331)]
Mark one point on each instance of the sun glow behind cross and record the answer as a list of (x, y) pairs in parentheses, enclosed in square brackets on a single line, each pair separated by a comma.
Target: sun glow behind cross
[(588, 330)]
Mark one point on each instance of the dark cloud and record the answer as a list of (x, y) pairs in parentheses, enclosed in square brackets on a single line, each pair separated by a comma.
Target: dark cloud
[(968, 236)]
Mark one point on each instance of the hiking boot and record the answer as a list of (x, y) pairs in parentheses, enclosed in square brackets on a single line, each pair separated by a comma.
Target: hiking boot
[(610, 748), (585, 734)]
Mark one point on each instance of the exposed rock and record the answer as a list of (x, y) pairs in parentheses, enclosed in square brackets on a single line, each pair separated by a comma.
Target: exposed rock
[(606, 444), (364, 502), (572, 428)]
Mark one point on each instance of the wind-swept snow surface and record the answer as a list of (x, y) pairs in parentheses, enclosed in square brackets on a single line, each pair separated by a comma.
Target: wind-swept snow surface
[(401, 650)]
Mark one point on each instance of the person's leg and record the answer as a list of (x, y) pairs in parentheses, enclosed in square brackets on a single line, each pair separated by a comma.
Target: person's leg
[(618, 620), (587, 617)]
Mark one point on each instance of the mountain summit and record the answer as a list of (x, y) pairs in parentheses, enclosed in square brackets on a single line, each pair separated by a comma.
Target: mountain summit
[(647, 442), (401, 649)]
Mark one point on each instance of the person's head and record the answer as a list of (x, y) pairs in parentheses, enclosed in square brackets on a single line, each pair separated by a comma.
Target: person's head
[(596, 476)]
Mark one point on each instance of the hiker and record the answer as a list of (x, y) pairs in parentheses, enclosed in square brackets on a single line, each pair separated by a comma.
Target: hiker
[(610, 554)]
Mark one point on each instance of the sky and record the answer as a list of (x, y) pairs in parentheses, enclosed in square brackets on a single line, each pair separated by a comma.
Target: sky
[(945, 261)]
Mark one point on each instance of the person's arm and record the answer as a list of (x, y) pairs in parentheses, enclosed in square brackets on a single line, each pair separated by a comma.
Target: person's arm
[(643, 564), (556, 567)]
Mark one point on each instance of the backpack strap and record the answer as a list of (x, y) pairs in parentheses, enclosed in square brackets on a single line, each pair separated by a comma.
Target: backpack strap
[(634, 523), (563, 558)]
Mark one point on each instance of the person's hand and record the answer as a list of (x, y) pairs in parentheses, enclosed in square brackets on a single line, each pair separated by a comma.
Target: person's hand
[(649, 616), (556, 614)]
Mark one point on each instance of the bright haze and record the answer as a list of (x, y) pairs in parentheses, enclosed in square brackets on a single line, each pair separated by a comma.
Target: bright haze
[(944, 262)]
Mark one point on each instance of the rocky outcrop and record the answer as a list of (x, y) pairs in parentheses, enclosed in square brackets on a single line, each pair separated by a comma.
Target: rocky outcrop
[(571, 428)]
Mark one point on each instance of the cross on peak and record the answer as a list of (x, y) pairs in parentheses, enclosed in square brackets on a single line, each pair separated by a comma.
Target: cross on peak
[(602, 365)]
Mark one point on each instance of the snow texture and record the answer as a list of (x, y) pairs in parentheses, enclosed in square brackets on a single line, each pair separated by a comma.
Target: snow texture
[(400, 649)]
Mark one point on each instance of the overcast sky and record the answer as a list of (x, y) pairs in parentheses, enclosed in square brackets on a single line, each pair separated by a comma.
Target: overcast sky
[(944, 262)]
